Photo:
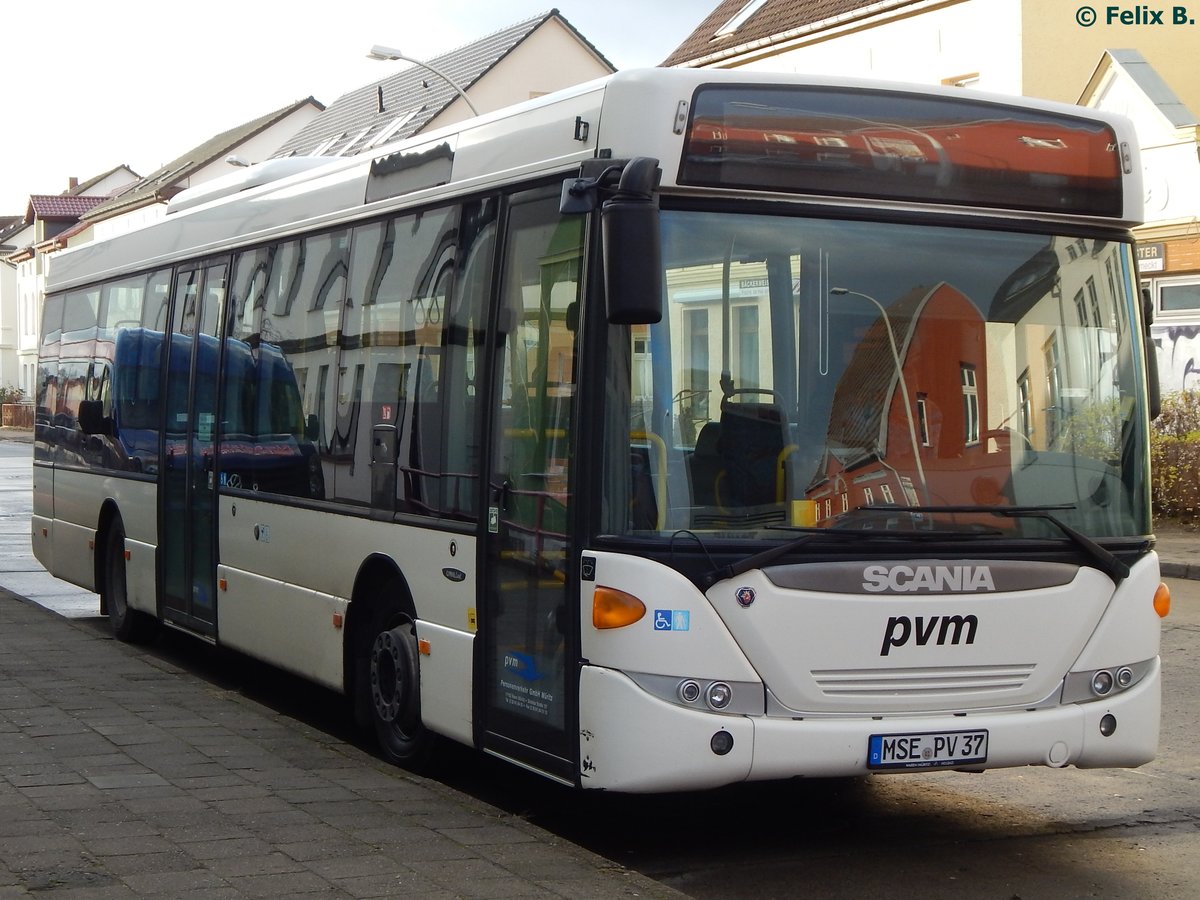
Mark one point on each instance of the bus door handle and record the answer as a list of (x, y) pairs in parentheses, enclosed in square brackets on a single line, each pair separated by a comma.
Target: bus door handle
[(501, 493)]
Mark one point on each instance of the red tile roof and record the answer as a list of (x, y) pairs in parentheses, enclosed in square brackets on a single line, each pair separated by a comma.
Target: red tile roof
[(774, 19), (61, 206)]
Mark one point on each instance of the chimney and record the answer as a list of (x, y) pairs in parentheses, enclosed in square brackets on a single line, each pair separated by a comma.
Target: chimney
[(72, 183)]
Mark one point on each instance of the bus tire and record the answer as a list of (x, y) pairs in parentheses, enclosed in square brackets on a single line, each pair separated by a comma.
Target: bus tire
[(393, 687), (128, 625)]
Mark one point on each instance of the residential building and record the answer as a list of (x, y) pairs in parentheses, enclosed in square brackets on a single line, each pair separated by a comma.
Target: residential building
[(145, 201), (109, 204), (1051, 49), (1034, 48), (24, 246), (46, 220), (1169, 243), (11, 228), (534, 57)]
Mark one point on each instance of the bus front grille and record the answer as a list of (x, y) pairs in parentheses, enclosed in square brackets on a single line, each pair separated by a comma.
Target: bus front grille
[(922, 682)]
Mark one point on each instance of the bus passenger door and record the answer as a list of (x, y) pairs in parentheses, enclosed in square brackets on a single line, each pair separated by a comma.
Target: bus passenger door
[(526, 620), (187, 492)]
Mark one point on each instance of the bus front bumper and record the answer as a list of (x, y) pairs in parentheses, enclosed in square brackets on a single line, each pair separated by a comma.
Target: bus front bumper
[(633, 742)]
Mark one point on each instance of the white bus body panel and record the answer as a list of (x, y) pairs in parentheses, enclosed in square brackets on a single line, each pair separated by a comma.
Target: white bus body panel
[(706, 649), (284, 624), (633, 742), (141, 591), (71, 549), (68, 549), (636, 740), (446, 706), (294, 545), (841, 652), (279, 601)]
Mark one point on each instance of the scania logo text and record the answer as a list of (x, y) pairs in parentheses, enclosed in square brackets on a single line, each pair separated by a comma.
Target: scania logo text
[(934, 579)]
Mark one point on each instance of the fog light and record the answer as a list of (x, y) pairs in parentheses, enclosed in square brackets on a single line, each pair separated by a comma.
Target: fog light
[(1124, 676), (689, 691), (1108, 725), (1102, 683), (719, 695), (721, 743)]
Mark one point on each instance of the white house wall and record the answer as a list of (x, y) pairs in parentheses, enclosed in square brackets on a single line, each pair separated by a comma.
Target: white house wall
[(549, 59), (256, 149), (971, 37), (9, 372), (1172, 177)]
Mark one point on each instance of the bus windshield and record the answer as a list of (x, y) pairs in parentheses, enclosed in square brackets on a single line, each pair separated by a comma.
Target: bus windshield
[(832, 374)]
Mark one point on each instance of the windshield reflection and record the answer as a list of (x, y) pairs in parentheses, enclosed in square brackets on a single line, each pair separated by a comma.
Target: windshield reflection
[(805, 369)]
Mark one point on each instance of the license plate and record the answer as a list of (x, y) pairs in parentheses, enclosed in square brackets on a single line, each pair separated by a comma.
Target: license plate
[(930, 750)]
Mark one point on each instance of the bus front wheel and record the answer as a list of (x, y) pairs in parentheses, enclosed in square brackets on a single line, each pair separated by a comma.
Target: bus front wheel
[(394, 684), (127, 624)]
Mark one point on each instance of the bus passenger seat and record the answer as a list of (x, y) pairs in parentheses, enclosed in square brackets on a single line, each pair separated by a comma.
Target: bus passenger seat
[(705, 465)]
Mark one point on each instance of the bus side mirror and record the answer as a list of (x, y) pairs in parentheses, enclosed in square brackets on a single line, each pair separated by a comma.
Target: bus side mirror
[(1153, 390), (92, 419), (629, 225)]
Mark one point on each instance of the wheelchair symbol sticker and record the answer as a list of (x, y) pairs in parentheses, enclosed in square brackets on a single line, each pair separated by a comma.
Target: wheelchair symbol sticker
[(672, 620)]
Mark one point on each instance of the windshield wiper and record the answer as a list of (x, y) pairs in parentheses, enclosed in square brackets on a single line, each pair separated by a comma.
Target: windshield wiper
[(1105, 561)]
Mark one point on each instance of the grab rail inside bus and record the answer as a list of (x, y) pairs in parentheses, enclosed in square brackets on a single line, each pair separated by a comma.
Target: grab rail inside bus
[(660, 483)]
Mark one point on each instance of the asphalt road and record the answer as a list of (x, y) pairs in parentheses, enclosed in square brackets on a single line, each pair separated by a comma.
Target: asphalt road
[(1022, 833)]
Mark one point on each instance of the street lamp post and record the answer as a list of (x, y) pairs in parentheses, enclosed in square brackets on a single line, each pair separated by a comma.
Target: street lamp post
[(887, 324), (390, 53)]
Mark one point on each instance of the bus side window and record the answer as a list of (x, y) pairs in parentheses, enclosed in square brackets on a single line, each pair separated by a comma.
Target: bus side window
[(47, 386), (395, 326), (282, 316), (463, 344)]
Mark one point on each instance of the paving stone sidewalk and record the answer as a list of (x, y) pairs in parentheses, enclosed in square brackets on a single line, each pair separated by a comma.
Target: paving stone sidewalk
[(122, 775)]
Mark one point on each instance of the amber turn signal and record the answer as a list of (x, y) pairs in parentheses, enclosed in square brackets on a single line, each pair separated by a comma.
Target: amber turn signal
[(1162, 601), (615, 609)]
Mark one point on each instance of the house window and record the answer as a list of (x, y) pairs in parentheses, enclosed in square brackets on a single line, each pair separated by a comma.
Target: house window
[(923, 418), (1112, 292), (740, 19), (1054, 410), (845, 502), (696, 331), (1180, 297), (1094, 302), (970, 394), (888, 497), (1081, 309), (868, 497), (1026, 405), (747, 345)]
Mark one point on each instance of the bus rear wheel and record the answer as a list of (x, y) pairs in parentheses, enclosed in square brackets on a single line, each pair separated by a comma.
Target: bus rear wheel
[(394, 684), (127, 624)]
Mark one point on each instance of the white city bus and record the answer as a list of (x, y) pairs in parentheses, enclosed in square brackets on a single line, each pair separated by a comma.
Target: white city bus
[(680, 429)]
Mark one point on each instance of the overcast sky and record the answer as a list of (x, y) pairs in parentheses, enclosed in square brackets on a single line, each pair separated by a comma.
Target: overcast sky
[(92, 85)]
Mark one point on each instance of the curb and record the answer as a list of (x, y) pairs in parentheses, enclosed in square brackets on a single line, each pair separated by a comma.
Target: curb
[(1179, 570)]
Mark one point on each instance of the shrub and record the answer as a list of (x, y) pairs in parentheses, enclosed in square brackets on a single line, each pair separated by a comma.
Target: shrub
[(1175, 457)]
